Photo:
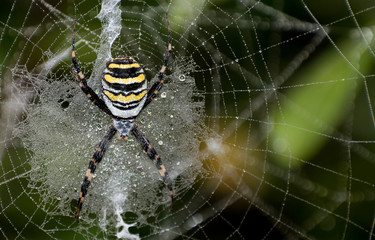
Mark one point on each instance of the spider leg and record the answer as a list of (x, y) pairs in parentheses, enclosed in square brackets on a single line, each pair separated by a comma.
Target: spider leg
[(154, 90), (94, 162), (151, 153), (76, 70)]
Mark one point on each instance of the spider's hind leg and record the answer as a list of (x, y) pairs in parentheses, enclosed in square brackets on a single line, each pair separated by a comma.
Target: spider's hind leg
[(151, 153), (94, 162)]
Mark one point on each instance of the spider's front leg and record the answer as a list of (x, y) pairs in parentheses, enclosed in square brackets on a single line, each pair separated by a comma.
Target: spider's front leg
[(155, 88), (151, 153), (77, 72), (94, 162)]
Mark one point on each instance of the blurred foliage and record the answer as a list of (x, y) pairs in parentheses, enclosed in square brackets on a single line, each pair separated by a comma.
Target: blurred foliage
[(318, 111)]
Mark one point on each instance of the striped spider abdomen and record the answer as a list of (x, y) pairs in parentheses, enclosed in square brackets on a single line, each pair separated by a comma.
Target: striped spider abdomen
[(124, 87)]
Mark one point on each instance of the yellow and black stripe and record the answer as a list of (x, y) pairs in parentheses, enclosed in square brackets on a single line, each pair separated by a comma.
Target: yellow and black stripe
[(124, 87)]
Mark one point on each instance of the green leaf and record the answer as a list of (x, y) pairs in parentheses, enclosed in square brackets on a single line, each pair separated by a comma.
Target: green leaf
[(310, 113)]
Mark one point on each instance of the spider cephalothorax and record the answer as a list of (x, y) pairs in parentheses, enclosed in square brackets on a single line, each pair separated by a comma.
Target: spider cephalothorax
[(125, 95)]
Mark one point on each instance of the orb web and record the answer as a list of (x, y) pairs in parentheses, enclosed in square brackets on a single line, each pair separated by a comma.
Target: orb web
[(265, 122)]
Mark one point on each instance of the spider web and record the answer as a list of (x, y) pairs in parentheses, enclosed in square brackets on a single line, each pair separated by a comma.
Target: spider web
[(265, 121)]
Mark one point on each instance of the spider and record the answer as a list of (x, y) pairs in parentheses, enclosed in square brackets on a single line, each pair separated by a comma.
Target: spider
[(124, 96)]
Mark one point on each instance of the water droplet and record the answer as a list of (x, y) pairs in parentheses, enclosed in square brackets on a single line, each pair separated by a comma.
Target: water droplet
[(178, 163), (236, 60), (160, 142), (163, 95), (48, 53), (181, 77)]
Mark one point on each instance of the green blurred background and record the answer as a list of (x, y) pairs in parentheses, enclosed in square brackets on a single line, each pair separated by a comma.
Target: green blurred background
[(288, 89)]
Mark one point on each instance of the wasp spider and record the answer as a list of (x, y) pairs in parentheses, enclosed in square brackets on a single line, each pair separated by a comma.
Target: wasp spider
[(125, 95)]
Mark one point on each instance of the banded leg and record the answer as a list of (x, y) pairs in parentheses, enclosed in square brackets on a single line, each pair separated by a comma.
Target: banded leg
[(150, 151), (94, 162), (82, 80), (154, 90)]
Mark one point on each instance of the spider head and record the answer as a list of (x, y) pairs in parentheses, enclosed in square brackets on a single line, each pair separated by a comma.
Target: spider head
[(123, 127)]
